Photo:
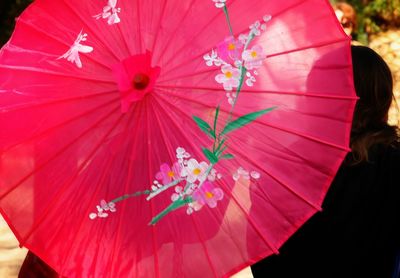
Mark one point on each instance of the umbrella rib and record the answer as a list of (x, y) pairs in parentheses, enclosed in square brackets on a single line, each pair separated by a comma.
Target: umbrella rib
[(312, 138), (77, 117), (190, 41), (139, 26), (191, 74), (153, 227), (81, 167), (52, 101), (202, 242), (94, 195), (88, 209), (284, 184), (170, 150), (161, 127), (252, 223), (318, 45), (172, 35), (308, 114), (300, 94), (226, 188), (136, 110), (250, 91), (54, 73), (158, 26), (322, 44), (89, 57), (294, 156), (124, 39), (309, 137), (178, 128), (56, 154)]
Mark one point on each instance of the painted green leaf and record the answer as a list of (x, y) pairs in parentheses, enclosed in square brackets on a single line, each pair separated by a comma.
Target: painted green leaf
[(205, 127), (220, 145), (219, 152), (227, 156), (216, 118), (175, 205), (244, 120), (210, 156)]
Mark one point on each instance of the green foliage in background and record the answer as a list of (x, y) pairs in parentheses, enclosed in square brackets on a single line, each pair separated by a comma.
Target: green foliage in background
[(9, 10), (375, 16)]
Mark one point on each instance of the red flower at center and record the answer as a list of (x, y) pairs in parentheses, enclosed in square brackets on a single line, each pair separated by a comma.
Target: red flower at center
[(135, 78)]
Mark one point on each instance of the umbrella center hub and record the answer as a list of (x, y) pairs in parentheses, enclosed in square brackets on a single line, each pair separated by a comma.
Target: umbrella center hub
[(136, 78), (140, 81)]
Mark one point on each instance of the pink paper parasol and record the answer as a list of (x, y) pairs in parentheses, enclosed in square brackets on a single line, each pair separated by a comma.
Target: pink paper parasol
[(169, 138)]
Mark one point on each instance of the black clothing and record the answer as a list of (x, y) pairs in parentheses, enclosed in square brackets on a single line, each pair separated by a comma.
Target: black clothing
[(358, 232), (34, 267)]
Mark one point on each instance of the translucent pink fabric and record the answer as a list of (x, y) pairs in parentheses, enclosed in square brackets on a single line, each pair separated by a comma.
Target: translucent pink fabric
[(65, 144)]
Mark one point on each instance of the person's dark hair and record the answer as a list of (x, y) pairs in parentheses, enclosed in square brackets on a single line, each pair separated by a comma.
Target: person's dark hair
[(374, 86)]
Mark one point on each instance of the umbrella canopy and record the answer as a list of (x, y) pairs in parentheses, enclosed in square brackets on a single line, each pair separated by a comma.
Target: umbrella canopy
[(169, 138)]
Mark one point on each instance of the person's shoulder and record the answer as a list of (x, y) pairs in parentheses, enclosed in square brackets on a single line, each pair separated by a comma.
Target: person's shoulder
[(384, 153), (393, 151)]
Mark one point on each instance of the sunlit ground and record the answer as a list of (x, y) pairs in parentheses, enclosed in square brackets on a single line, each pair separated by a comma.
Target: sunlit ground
[(11, 256)]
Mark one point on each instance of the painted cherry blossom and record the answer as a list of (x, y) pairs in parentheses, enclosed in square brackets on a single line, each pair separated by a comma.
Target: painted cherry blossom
[(72, 54), (242, 173), (178, 193), (219, 3), (193, 181), (102, 208), (214, 175), (267, 18), (255, 28), (208, 194), (250, 79), (212, 59), (194, 171), (229, 78), (110, 12), (193, 206), (255, 175), (167, 174), (230, 50), (253, 57), (182, 153), (243, 38), (156, 185), (231, 97)]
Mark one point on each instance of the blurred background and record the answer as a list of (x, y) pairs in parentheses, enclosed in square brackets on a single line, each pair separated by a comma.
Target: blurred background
[(374, 23)]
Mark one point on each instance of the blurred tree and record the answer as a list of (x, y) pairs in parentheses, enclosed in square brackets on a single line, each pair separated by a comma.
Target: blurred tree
[(375, 16), (9, 10)]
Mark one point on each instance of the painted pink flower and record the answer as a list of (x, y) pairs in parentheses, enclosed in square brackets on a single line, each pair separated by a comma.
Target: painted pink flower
[(194, 171), (254, 57), (208, 194), (167, 174), (230, 50), (229, 78)]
